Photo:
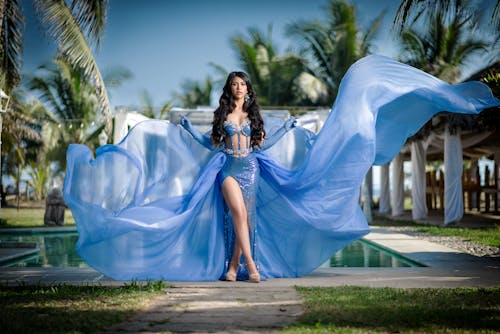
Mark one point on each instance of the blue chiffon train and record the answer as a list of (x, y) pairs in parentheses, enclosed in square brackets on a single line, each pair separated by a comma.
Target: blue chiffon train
[(150, 207)]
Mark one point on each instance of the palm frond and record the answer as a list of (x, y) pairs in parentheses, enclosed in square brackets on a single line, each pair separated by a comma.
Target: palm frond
[(221, 74), (73, 45), (165, 109), (147, 104), (414, 51), (410, 11), (11, 44), (46, 94), (115, 76), (467, 49), (194, 94), (91, 17), (371, 33)]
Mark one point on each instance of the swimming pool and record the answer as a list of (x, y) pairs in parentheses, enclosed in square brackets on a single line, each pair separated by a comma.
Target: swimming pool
[(58, 250)]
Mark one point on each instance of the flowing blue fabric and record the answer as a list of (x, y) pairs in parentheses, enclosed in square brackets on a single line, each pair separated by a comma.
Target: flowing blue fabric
[(151, 206)]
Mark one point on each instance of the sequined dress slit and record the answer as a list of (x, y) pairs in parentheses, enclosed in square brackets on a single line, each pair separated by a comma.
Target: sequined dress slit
[(242, 165)]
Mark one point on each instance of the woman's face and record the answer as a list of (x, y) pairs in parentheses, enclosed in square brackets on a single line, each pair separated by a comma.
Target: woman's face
[(238, 88)]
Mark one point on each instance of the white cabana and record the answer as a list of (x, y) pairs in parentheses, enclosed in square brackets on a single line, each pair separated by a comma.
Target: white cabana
[(384, 199), (453, 166), (397, 195), (453, 147), (419, 206)]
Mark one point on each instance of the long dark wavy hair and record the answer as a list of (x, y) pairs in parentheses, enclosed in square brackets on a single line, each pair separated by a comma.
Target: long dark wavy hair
[(227, 105)]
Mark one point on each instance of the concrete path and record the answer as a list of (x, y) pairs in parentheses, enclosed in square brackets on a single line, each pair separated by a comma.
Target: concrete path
[(235, 308)]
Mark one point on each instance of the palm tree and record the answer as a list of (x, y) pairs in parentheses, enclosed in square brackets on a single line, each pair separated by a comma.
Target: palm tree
[(147, 107), (443, 48), (274, 77), (75, 26), (21, 141), (333, 46), (195, 93), (68, 103), (11, 46), (38, 174), (410, 10)]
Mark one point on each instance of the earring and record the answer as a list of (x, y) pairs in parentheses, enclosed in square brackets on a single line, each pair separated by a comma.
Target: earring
[(247, 97)]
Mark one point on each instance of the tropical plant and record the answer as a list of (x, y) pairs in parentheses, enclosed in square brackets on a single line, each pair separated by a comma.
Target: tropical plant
[(195, 93), (273, 76), (334, 45), (443, 47), (21, 141), (147, 107), (75, 25), (409, 11), (485, 14), (39, 174), (11, 44), (492, 79), (220, 76), (69, 108)]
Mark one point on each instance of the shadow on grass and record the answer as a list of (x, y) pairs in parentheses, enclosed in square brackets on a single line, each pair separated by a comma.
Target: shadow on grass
[(395, 310), (70, 309), (58, 320)]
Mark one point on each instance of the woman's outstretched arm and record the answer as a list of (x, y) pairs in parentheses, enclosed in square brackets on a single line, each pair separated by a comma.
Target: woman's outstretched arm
[(197, 135)]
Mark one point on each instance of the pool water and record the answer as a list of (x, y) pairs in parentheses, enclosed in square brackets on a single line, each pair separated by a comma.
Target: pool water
[(363, 253), (58, 250)]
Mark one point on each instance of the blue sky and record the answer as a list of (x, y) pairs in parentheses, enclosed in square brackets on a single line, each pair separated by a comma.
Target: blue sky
[(166, 42), (163, 43)]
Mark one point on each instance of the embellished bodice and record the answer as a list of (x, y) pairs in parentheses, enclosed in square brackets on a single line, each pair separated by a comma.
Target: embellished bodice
[(237, 142)]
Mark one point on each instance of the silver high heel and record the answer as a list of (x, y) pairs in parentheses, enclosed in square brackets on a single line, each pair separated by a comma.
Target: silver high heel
[(255, 277)]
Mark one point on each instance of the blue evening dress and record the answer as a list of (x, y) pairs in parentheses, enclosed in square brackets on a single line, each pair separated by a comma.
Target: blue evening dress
[(151, 206)]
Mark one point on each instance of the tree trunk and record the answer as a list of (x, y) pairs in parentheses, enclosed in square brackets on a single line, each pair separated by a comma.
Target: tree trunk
[(2, 11), (3, 201), (18, 185)]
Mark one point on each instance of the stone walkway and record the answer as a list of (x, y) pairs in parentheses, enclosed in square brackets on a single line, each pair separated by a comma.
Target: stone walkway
[(224, 307), (236, 308)]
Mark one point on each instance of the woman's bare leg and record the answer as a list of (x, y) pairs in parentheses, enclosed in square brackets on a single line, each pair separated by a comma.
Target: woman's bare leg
[(234, 199)]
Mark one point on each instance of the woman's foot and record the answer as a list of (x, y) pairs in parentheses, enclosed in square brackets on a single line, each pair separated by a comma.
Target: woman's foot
[(232, 271), (253, 273)]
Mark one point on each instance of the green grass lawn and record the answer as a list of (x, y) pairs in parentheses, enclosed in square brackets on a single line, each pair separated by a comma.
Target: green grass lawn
[(27, 217), (71, 309), (391, 310), (485, 236)]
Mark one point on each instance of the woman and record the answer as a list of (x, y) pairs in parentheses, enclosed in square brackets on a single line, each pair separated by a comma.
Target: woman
[(238, 127), (162, 203)]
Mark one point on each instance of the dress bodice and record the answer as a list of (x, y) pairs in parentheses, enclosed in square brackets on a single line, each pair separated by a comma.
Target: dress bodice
[(232, 128), (237, 142)]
